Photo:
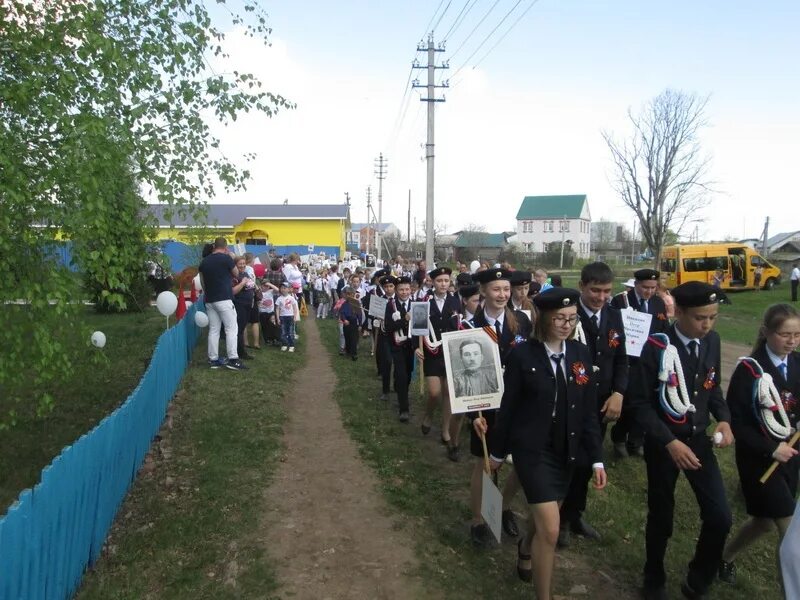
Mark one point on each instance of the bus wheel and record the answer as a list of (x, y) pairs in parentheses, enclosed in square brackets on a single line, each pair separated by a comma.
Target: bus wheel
[(769, 284)]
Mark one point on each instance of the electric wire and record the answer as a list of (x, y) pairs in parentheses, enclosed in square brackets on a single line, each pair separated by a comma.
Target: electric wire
[(459, 19)]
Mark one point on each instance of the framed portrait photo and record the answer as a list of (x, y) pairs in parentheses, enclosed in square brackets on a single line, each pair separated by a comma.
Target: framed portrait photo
[(420, 312), (474, 373)]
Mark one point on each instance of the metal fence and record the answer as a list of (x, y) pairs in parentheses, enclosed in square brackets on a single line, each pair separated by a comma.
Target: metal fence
[(55, 530)]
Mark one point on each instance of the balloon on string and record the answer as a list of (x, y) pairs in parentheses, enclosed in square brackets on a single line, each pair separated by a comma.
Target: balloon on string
[(98, 339), (201, 319), (166, 302), (474, 266), (196, 282)]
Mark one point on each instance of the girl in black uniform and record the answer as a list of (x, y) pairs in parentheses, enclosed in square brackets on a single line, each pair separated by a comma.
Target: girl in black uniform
[(758, 440), (548, 410)]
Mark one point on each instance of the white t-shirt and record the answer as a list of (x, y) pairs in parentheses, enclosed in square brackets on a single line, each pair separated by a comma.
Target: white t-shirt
[(795, 274), (292, 274), (286, 305), (267, 304)]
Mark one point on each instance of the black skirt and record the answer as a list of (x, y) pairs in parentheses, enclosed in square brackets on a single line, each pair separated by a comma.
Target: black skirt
[(544, 477), (434, 364), (774, 499)]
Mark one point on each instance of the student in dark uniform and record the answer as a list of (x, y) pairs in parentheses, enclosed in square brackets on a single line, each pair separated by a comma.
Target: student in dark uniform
[(762, 432), (397, 327), (520, 285), (383, 346), (508, 328), (604, 336), (675, 415), (548, 411), (374, 289), (626, 435), (444, 307)]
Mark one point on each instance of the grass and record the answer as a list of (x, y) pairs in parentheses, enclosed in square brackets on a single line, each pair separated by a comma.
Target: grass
[(188, 528), (433, 494), (99, 384)]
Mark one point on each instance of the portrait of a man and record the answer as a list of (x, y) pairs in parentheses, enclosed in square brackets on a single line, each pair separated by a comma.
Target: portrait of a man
[(474, 378)]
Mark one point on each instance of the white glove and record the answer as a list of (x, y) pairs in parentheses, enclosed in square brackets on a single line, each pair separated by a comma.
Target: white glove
[(376, 323), (396, 315)]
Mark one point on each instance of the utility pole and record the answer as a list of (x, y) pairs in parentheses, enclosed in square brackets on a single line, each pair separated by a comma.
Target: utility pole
[(347, 202), (380, 173), (409, 216), (369, 214), (563, 227), (429, 144), (764, 238)]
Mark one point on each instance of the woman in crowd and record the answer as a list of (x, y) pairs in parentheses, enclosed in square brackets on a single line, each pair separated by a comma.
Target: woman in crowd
[(252, 333), (243, 297), (548, 409), (762, 423)]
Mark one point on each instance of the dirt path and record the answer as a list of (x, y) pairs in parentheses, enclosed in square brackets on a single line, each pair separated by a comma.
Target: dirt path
[(327, 526), (730, 353)]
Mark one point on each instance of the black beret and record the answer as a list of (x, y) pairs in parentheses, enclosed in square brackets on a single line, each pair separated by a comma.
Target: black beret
[(440, 271), (535, 288), (646, 275), (555, 298), (388, 280), (695, 293), (492, 275), (521, 277), (377, 275), (467, 291), (464, 279), (403, 279)]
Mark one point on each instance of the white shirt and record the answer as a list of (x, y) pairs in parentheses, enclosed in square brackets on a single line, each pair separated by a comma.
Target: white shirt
[(795, 274), (440, 301), (491, 321), (286, 305), (686, 340), (589, 312), (777, 360)]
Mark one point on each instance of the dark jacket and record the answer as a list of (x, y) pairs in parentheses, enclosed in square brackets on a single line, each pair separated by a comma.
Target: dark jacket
[(401, 325), (744, 422), (525, 415), (508, 339), (444, 320), (703, 387), (606, 344), (655, 307)]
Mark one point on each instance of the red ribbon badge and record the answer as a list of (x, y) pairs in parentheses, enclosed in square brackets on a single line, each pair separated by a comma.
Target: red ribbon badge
[(710, 379), (661, 317), (613, 338), (581, 378)]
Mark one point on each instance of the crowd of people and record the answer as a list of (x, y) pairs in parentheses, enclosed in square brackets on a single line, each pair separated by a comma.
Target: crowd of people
[(566, 377)]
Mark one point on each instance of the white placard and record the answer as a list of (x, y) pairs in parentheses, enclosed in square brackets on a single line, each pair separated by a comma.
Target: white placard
[(377, 306), (527, 313), (420, 312), (474, 374), (637, 330), (491, 505)]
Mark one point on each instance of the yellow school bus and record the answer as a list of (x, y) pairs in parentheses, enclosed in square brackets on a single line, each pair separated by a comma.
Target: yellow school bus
[(737, 264)]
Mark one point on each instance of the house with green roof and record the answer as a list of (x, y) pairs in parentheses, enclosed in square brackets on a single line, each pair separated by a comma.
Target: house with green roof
[(470, 245), (546, 220)]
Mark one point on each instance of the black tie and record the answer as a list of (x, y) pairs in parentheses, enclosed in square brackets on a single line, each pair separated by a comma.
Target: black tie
[(558, 431), (782, 369), (499, 329), (644, 305), (692, 348), (594, 321)]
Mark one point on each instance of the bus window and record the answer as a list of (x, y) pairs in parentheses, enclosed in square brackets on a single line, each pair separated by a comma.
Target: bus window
[(756, 261), (669, 265)]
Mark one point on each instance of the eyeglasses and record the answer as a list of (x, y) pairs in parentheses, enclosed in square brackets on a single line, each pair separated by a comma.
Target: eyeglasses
[(560, 320), (788, 335)]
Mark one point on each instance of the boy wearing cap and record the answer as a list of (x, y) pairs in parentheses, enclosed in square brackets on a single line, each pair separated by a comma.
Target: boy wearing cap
[(604, 336), (626, 435), (402, 352), (675, 415), (383, 349)]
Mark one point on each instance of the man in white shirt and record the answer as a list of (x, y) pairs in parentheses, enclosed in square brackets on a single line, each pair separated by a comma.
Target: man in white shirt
[(795, 281)]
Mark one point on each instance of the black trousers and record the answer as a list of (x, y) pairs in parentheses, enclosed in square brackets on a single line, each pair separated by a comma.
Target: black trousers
[(403, 360), (794, 282), (351, 339), (575, 501), (626, 430), (383, 354), (715, 514), (242, 317)]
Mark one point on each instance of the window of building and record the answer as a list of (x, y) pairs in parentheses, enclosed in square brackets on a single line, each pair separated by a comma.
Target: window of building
[(255, 242), (548, 226), (563, 225), (527, 227)]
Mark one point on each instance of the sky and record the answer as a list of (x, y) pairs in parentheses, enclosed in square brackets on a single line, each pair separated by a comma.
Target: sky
[(524, 112)]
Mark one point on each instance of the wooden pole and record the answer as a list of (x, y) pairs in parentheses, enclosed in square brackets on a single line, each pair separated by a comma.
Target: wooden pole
[(486, 466), (768, 473), (421, 369)]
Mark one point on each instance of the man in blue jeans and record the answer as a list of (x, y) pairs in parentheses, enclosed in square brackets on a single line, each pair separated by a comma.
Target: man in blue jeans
[(216, 271)]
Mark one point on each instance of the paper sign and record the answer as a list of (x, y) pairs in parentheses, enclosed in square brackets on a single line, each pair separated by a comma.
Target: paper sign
[(474, 373), (527, 313), (637, 330), (377, 307), (419, 318), (491, 505)]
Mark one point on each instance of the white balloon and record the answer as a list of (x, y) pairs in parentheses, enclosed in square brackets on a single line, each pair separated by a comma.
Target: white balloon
[(474, 266), (167, 302), (98, 339), (197, 285), (201, 319)]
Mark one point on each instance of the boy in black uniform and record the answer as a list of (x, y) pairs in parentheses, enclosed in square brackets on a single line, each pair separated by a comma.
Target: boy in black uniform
[(675, 422), (605, 337), (627, 436), (383, 350), (398, 316)]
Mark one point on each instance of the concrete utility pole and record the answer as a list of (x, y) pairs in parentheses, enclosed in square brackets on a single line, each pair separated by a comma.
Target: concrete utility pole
[(380, 173), (431, 100), (369, 214), (563, 227), (765, 238), (409, 216)]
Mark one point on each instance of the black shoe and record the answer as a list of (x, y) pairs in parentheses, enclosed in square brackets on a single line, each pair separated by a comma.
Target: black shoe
[(620, 450), (236, 365), (637, 451), (454, 453), (655, 593), (403, 417), (426, 429), (354, 357), (582, 528), (510, 523), (525, 575), (689, 592), (564, 538), (481, 535), (727, 572)]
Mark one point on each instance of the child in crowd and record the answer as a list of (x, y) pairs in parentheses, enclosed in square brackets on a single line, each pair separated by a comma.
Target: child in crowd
[(350, 319), (288, 312), (270, 328), (322, 293)]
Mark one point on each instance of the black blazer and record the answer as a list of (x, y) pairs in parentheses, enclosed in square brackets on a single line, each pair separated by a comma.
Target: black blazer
[(703, 387), (402, 325), (606, 345), (446, 319), (507, 339), (746, 426), (526, 410), (655, 307)]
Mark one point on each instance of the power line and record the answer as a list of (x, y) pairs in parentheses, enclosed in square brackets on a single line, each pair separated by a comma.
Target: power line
[(449, 2), (428, 27), (459, 19), (474, 29)]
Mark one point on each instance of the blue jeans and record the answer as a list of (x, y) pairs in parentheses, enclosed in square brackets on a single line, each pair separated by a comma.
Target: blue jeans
[(287, 331)]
